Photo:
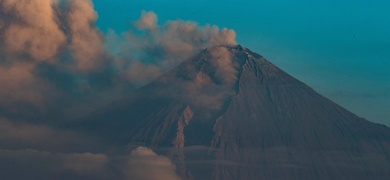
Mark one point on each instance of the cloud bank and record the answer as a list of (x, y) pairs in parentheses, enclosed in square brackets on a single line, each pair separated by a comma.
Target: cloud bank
[(141, 164), (34, 164)]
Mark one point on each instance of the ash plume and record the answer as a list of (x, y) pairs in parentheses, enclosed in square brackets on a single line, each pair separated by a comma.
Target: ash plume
[(159, 48)]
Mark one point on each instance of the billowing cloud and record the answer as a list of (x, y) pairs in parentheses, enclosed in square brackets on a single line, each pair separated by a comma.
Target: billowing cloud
[(34, 28), (144, 164), (148, 20), (31, 28), (38, 37), (86, 42)]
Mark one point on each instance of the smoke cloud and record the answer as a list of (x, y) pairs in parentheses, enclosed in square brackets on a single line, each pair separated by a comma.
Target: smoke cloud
[(86, 41), (209, 88)]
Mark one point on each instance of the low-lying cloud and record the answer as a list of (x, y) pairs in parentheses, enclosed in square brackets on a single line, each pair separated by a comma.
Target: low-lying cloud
[(141, 164)]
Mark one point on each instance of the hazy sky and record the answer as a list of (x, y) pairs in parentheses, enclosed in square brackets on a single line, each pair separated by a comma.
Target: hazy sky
[(340, 48)]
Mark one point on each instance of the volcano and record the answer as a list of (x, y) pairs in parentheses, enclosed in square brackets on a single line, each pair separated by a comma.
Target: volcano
[(228, 113)]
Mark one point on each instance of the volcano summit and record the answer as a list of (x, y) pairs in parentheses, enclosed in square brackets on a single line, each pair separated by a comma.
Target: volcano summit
[(228, 113)]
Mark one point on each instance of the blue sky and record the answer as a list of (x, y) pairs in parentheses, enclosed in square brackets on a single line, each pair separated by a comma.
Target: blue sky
[(340, 48)]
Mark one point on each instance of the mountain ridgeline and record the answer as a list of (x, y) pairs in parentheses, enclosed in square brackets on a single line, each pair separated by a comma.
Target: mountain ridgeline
[(228, 113)]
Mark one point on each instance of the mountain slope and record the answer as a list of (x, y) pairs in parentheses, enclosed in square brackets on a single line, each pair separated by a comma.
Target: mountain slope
[(258, 121)]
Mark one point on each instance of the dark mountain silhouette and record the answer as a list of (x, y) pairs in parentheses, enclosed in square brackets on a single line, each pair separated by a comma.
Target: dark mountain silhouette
[(228, 113)]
